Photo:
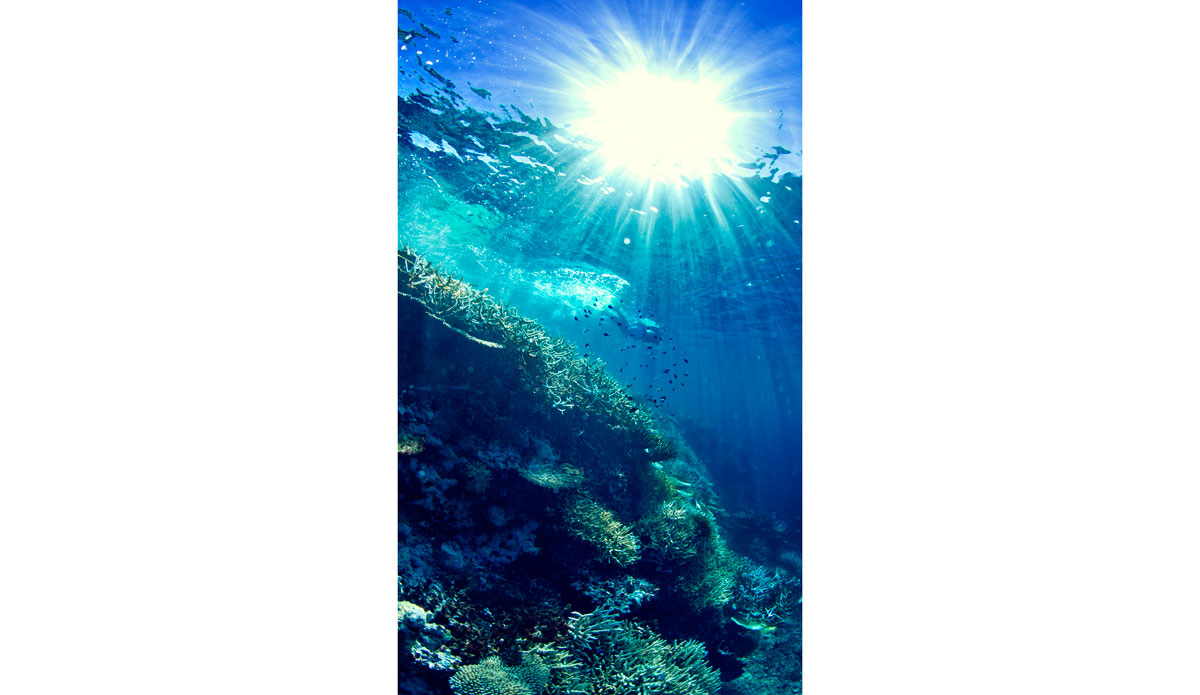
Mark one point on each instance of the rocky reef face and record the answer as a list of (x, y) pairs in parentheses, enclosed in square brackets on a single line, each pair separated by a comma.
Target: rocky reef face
[(554, 536)]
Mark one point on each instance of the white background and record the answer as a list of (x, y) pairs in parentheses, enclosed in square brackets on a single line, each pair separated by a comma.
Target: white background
[(1002, 383)]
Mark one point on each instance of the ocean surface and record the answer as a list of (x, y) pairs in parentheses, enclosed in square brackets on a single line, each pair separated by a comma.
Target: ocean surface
[(488, 187), (684, 288)]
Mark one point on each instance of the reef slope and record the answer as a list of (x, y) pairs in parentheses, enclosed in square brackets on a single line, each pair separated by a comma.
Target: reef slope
[(554, 536)]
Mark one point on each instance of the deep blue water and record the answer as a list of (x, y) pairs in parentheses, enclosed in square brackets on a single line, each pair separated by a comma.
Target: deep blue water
[(704, 278)]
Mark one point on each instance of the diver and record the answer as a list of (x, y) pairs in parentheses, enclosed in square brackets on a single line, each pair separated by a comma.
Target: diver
[(641, 328)]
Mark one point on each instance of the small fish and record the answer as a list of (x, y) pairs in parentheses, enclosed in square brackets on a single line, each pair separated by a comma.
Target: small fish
[(749, 623)]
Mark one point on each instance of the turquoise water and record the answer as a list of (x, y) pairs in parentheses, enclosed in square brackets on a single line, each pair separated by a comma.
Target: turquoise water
[(683, 291)]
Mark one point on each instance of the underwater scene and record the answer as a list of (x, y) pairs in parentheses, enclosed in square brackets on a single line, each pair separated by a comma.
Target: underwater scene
[(599, 330)]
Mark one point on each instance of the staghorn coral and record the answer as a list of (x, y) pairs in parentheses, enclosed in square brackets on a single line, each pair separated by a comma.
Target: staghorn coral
[(548, 475), (606, 656), (551, 366), (616, 595), (683, 539), (492, 677), (587, 519), (762, 599), (674, 534), (710, 580)]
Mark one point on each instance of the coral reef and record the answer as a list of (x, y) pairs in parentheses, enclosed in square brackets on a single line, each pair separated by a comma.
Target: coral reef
[(607, 656), (684, 541), (532, 488), (550, 366), (618, 595), (492, 677), (553, 477), (423, 639), (762, 599), (593, 523), (676, 532)]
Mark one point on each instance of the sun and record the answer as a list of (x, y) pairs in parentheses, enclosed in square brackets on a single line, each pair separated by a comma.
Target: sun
[(659, 126), (659, 92)]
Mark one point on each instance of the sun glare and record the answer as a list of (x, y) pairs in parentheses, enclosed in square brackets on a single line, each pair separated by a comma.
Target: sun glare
[(662, 92), (659, 126)]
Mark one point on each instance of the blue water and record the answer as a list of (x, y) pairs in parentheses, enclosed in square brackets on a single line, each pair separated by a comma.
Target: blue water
[(726, 293)]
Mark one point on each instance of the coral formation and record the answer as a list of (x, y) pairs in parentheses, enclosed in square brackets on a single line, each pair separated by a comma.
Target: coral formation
[(423, 639), (553, 477), (593, 523), (492, 677), (674, 534), (607, 656), (685, 541), (762, 599), (550, 366), (531, 489), (617, 595)]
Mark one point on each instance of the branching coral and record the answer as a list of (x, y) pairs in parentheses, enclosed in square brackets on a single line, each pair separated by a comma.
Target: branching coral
[(547, 475), (593, 523), (683, 539), (606, 656), (709, 578), (761, 598), (619, 595), (550, 365), (674, 534)]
